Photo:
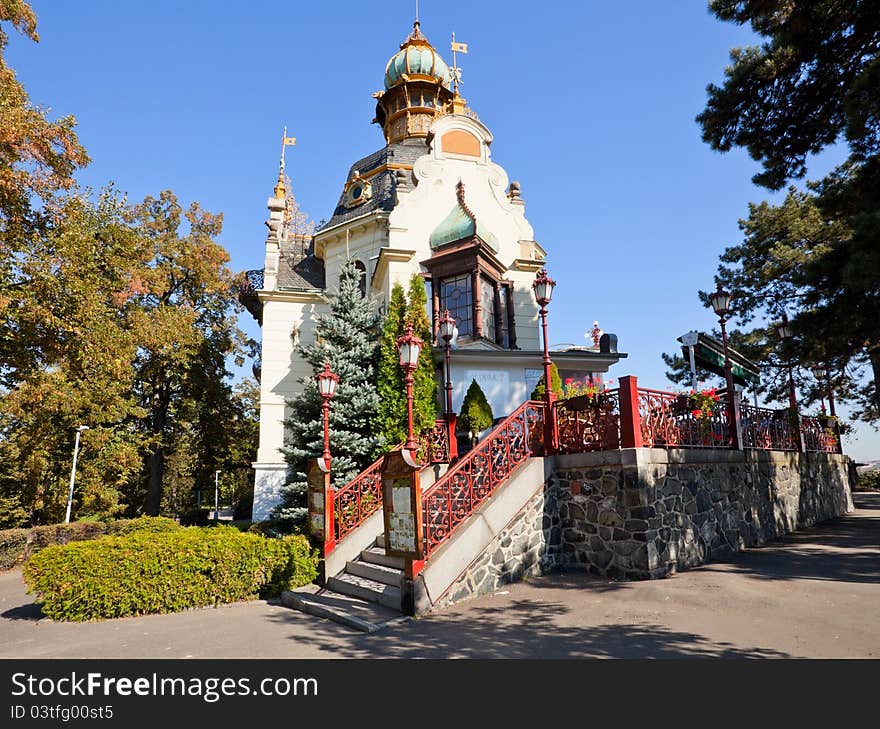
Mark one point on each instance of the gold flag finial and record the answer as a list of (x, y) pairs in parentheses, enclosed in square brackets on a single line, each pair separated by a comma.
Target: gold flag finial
[(455, 70), (286, 141)]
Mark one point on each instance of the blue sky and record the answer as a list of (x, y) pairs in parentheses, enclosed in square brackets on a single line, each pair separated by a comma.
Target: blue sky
[(592, 105)]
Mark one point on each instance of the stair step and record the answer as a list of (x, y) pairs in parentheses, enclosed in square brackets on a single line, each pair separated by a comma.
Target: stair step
[(376, 555), (377, 572), (349, 611), (366, 589), (380, 541)]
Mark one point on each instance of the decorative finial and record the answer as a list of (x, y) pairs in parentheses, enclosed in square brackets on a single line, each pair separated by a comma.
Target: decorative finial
[(280, 189), (455, 71), (596, 333)]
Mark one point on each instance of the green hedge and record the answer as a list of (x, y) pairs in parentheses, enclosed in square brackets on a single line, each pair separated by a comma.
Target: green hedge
[(162, 572), (17, 545)]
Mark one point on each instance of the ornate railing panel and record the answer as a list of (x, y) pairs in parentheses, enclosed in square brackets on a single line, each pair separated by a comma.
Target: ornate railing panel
[(818, 436), (434, 444), (454, 497), (358, 499), (766, 429), (589, 423), (667, 420)]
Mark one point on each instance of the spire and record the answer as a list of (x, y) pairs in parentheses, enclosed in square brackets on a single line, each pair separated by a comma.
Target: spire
[(457, 105), (280, 189)]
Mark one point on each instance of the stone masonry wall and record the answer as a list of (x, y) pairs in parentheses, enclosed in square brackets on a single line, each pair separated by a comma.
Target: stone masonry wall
[(645, 513), (528, 546)]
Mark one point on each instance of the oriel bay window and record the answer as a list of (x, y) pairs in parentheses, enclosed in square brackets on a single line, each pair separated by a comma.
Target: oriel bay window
[(487, 316)]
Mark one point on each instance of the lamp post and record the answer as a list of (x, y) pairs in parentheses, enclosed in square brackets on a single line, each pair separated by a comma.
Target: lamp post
[(409, 347), (543, 288), (327, 381), (785, 334), (823, 376), (79, 429), (720, 302), (447, 333), (216, 495)]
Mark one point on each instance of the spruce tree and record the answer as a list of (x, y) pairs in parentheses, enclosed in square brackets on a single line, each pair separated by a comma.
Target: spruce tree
[(390, 423), (346, 337), (425, 385), (476, 413)]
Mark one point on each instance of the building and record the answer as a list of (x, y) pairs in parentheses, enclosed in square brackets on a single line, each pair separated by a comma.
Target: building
[(429, 201)]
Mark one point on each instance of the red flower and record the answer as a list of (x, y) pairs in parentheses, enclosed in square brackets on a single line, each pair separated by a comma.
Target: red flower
[(696, 413)]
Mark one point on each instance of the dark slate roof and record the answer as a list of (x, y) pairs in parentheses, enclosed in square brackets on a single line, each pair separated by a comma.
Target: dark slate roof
[(298, 267), (405, 152)]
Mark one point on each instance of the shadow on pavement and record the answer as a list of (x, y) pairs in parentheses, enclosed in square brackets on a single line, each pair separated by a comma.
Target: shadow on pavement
[(31, 611)]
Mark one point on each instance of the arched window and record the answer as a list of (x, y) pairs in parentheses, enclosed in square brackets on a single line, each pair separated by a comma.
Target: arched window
[(362, 283)]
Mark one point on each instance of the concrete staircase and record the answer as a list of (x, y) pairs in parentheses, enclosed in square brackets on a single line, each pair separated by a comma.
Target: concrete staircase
[(366, 595)]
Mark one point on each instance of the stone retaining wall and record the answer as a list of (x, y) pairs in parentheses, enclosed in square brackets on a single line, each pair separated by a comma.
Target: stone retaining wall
[(645, 513)]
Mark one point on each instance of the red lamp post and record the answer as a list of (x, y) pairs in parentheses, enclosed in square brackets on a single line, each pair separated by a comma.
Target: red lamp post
[(543, 288), (327, 382), (785, 334), (720, 301), (409, 347), (447, 334)]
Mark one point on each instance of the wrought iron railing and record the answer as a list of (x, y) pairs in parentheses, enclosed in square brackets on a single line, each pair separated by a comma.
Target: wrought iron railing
[(434, 444), (358, 499), (668, 420), (589, 422), (361, 497), (767, 430), (820, 434), (454, 497)]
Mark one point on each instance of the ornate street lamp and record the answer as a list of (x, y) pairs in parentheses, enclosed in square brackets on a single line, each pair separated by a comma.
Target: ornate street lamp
[(785, 334), (409, 347), (822, 375), (447, 334), (543, 288), (720, 302), (327, 381)]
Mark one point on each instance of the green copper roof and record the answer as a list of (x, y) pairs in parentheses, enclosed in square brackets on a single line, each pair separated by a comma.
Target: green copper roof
[(420, 59), (460, 224)]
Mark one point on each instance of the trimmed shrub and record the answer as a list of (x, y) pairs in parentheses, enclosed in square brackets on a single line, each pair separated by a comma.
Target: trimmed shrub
[(160, 572), (476, 413), (150, 524), (555, 381), (17, 545), (13, 543)]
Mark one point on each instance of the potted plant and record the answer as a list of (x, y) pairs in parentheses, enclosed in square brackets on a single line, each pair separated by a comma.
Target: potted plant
[(703, 406), (581, 395)]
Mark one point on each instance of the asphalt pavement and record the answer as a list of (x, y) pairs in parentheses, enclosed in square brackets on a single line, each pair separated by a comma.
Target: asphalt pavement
[(815, 593)]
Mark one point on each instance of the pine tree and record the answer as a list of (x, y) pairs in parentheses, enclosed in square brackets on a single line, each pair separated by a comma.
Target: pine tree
[(346, 337), (390, 424), (425, 385)]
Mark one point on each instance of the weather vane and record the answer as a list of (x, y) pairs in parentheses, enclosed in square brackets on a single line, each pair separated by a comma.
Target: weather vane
[(285, 142), (455, 70)]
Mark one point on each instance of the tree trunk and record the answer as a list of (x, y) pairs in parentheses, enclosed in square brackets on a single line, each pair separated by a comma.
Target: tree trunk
[(157, 457), (874, 354)]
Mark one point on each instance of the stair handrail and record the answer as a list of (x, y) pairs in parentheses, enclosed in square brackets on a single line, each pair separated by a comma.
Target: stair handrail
[(361, 497), (455, 496)]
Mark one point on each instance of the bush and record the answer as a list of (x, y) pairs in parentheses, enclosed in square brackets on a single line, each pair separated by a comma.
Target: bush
[(196, 517), (476, 413), (17, 545), (166, 571), (555, 382), (150, 524), (868, 481)]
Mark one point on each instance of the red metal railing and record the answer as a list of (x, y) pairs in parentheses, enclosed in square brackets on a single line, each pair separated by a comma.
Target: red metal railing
[(358, 499), (362, 496), (819, 436), (589, 422), (454, 497), (667, 420), (767, 430)]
